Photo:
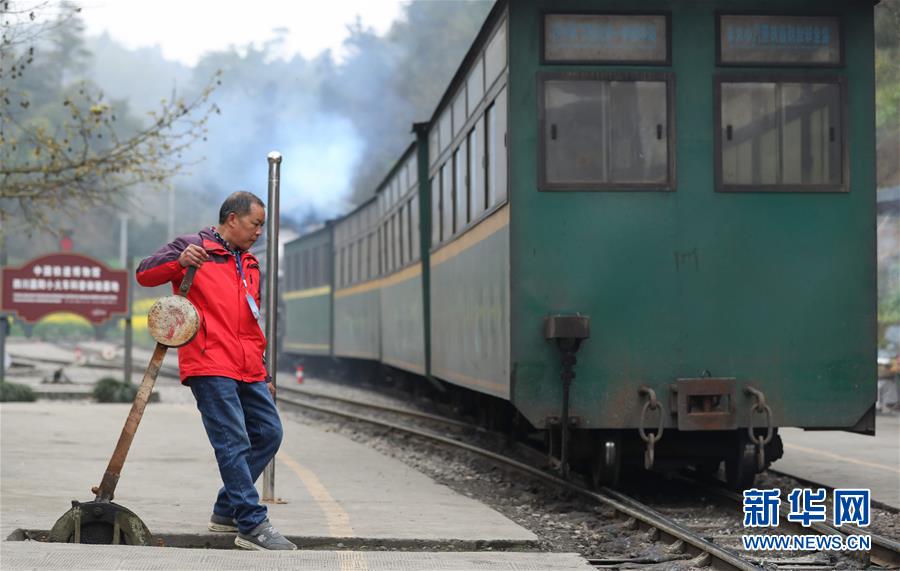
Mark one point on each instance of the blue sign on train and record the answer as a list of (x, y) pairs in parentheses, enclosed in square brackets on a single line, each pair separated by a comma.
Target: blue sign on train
[(605, 38), (779, 40)]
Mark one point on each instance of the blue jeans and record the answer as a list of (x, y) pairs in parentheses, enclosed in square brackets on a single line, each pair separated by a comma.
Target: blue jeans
[(243, 427)]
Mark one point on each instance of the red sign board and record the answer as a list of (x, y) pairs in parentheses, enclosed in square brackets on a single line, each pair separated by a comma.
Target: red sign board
[(64, 282)]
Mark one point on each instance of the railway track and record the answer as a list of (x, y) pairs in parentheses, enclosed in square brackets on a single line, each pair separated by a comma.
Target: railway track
[(657, 526)]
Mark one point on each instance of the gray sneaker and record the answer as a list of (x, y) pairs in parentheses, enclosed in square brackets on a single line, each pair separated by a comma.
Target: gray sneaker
[(222, 523), (264, 537)]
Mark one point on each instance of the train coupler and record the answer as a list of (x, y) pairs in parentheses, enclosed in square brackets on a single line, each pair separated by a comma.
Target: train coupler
[(651, 404), (759, 407)]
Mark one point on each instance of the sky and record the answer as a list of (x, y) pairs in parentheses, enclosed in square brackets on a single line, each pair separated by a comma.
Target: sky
[(186, 29)]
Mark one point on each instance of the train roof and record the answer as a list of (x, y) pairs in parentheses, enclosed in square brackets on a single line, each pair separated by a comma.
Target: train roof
[(398, 164), (484, 34)]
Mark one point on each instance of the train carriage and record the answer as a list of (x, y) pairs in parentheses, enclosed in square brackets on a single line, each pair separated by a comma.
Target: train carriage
[(357, 307), (402, 299), (651, 230), (307, 296), (469, 259)]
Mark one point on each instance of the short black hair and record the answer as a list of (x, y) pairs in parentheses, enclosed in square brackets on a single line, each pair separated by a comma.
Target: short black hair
[(238, 202)]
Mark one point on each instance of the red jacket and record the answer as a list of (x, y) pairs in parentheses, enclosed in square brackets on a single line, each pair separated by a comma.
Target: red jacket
[(230, 342)]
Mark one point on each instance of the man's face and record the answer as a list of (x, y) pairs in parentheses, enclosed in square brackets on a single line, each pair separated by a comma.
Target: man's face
[(245, 230)]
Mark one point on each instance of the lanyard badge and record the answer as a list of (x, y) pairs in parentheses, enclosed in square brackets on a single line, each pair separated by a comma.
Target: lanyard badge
[(254, 309)]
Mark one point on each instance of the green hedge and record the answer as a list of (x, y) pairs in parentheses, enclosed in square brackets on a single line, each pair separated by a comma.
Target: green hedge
[(14, 392), (109, 389)]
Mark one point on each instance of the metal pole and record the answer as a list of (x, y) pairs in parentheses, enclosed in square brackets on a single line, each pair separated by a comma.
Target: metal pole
[(4, 320), (125, 261), (274, 158), (4, 325), (123, 238), (129, 334)]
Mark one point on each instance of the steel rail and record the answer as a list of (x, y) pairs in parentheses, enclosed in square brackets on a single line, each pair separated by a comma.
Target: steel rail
[(385, 408), (719, 558)]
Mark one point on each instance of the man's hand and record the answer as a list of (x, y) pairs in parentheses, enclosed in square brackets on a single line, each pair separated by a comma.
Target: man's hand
[(271, 389), (193, 255)]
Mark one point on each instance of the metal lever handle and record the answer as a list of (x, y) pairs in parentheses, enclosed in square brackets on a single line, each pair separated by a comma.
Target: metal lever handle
[(106, 490), (187, 281)]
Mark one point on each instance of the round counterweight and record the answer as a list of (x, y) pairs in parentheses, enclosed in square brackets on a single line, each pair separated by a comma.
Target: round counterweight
[(173, 321)]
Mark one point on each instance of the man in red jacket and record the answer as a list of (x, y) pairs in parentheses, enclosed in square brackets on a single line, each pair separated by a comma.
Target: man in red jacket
[(223, 365)]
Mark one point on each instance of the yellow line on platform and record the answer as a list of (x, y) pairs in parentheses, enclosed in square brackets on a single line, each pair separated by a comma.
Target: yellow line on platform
[(833, 456), (338, 519)]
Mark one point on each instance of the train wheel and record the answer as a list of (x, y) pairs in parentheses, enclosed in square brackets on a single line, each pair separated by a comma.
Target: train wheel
[(605, 465), (740, 466)]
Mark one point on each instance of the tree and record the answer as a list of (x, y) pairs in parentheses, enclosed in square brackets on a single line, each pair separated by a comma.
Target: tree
[(887, 91), (390, 81), (63, 147)]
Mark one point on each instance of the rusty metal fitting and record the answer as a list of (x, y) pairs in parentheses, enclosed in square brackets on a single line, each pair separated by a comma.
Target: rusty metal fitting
[(651, 439), (760, 407)]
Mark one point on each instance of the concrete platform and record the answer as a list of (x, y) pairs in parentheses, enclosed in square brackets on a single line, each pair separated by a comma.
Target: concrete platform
[(337, 491), (33, 555), (842, 459)]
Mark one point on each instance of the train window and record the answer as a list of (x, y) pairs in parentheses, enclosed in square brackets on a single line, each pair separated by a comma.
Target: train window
[(372, 262), (775, 135), (395, 219), (404, 232), (381, 254), (314, 277), (415, 230), (459, 112), (603, 131), (434, 149), (435, 186), (340, 272), (304, 264), (345, 262), (495, 56), (354, 262), (412, 169), (475, 173), (389, 234), (445, 126), (361, 254), (394, 253), (475, 85), (496, 148), (462, 191), (386, 246), (402, 237), (446, 200)]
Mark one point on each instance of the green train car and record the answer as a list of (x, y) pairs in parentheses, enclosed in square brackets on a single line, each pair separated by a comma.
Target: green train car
[(307, 299), (650, 231)]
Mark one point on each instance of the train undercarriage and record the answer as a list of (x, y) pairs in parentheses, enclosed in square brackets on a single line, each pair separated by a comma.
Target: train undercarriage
[(603, 457)]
